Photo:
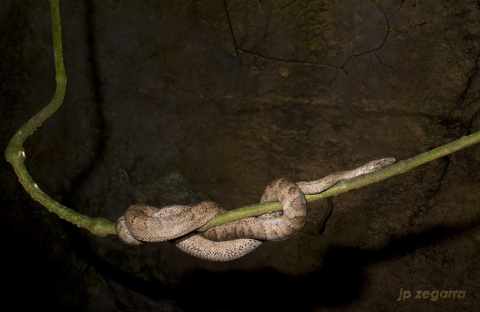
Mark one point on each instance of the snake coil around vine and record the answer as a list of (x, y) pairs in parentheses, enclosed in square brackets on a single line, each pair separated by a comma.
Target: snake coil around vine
[(144, 223)]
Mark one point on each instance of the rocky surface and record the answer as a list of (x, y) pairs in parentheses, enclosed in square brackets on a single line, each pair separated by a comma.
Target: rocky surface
[(164, 107)]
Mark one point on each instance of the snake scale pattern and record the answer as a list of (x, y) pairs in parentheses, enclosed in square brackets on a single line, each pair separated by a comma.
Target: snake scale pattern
[(232, 240)]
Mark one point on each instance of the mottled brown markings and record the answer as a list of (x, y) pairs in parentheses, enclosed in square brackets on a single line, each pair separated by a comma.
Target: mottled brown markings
[(237, 238)]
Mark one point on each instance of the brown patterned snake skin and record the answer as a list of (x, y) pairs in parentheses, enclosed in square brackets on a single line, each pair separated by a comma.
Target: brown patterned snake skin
[(232, 240)]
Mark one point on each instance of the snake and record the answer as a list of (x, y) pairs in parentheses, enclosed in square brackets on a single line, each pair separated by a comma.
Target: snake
[(176, 223)]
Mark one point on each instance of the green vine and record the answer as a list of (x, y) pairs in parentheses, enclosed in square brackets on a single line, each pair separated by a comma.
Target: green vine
[(15, 155)]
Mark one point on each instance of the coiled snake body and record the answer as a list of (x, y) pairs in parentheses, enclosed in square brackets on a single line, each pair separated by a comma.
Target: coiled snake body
[(232, 240)]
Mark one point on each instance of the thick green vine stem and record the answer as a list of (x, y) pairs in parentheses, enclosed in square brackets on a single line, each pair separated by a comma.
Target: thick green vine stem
[(15, 154), (345, 186)]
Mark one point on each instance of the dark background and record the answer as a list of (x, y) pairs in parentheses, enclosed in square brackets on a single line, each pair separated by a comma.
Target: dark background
[(160, 109)]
